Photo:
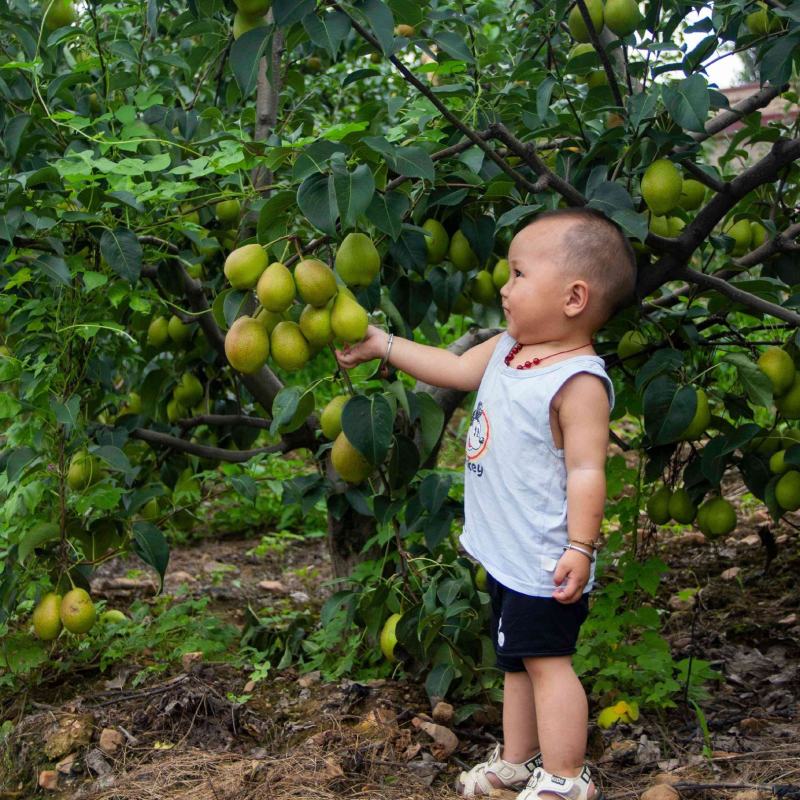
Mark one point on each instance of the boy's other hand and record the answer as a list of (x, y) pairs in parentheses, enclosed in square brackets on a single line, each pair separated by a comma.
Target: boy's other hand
[(372, 346), (571, 576)]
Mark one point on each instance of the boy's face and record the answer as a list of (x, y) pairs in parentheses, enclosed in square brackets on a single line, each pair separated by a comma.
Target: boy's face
[(538, 286)]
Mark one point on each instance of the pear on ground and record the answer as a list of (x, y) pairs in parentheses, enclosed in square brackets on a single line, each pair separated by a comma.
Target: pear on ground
[(331, 418), (275, 289), (357, 260), (348, 462), (349, 319), (243, 267), (315, 281), (247, 345), (315, 323), (46, 617), (436, 240), (290, 350)]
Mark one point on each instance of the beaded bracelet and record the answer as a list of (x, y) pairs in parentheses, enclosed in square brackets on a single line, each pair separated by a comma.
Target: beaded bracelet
[(588, 554)]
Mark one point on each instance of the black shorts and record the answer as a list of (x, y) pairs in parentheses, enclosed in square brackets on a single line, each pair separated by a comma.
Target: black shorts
[(526, 627)]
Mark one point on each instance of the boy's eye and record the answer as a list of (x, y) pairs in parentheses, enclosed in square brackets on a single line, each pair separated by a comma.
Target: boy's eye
[(517, 273)]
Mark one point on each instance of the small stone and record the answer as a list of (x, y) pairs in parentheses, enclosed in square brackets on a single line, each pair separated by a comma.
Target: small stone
[(753, 540), (274, 587), (782, 539), (730, 574), (96, 762), (71, 733), (249, 686), (111, 740), (310, 679), (789, 619), (678, 603), (48, 780), (661, 791), (187, 659), (67, 764), (691, 537), (752, 725), (300, 597), (180, 576), (666, 778), (443, 713)]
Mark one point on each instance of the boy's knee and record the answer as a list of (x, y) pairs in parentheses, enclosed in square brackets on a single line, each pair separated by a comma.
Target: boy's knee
[(542, 666)]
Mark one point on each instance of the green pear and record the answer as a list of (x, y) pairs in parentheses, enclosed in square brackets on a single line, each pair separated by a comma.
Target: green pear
[(316, 283), (692, 194), (331, 418), (348, 462), (701, 419), (175, 410), (482, 289), (349, 319), (315, 323), (500, 274), (275, 289), (243, 267), (742, 234), (269, 319), (253, 7), (577, 25), (436, 241), (290, 350), (84, 470), (242, 23), (228, 211), (461, 254), (179, 332), (247, 345), (158, 332), (58, 14), (622, 16), (189, 390), (357, 260)]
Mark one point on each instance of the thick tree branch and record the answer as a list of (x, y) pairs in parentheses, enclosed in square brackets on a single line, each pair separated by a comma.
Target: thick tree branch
[(527, 152), (268, 96), (206, 451), (601, 52), (730, 290), (783, 152), (782, 243)]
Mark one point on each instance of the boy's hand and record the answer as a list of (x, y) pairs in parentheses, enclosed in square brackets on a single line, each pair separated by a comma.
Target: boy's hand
[(574, 568), (372, 346)]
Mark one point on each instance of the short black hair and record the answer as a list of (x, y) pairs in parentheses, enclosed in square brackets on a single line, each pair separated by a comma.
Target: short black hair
[(597, 249)]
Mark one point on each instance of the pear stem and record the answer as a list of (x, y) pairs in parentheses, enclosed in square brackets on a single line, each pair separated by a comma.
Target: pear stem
[(343, 372), (298, 248)]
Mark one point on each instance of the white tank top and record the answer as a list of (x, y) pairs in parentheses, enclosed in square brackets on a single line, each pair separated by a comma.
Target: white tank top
[(515, 482)]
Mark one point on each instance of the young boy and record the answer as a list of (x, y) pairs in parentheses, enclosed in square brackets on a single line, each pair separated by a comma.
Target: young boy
[(534, 485)]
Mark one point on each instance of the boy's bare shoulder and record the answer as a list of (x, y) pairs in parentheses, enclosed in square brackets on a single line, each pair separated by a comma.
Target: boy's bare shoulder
[(584, 393)]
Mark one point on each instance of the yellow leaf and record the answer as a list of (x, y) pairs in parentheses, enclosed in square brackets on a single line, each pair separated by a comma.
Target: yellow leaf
[(607, 717), (163, 745)]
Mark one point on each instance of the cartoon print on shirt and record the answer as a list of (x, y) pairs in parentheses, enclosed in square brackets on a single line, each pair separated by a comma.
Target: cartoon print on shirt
[(478, 435)]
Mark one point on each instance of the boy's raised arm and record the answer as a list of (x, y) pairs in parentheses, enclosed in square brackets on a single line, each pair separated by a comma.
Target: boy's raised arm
[(432, 365)]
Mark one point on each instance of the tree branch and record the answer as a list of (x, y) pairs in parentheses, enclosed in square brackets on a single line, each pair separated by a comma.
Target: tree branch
[(601, 52), (223, 419), (730, 290), (268, 98), (206, 451)]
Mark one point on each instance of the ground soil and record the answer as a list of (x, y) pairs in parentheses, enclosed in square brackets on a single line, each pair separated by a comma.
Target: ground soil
[(180, 736)]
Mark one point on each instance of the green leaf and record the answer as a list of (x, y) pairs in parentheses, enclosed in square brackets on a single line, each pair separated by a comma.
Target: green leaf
[(37, 535), (287, 12), (17, 461), (359, 75), (431, 424), (757, 385), (381, 20), (454, 45), (404, 462), (414, 162), (367, 423), (317, 201), (15, 132), (290, 409), (513, 216), (55, 268), (354, 191), (67, 414), (776, 63), (246, 52), (688, 102), (114, 457), (151, 546), (412, 299), (439, 679), (9, 406), (668, 409), (386, 212), (123, 253), (327, 31), (433, 491)]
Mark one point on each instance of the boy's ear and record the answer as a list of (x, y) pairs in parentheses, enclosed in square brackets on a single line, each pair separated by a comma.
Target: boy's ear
[(577, 298)]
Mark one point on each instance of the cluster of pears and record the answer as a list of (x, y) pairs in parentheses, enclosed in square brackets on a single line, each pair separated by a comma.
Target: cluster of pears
[(331, 311), (778, 365), (484, 285), (74, 611), (715, 517), (163, 333), (664, 190), (762, 21), (349, 463), (249, 15), (621, 17)]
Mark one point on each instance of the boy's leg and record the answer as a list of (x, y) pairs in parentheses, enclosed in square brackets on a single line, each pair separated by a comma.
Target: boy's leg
[(562, 715), (520, 736)]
